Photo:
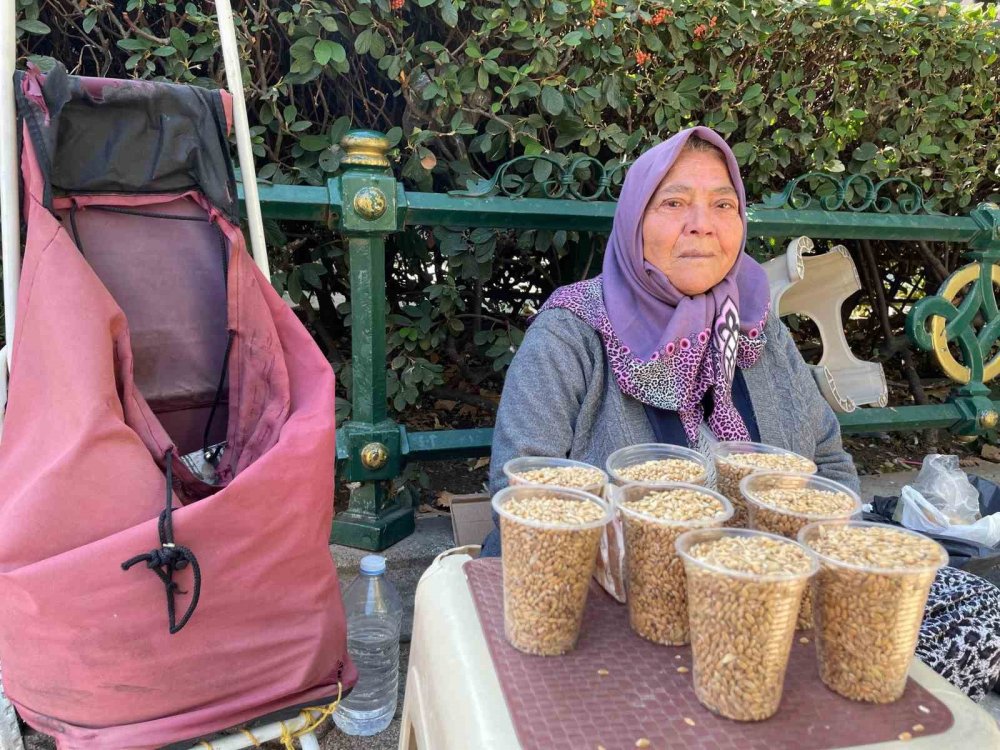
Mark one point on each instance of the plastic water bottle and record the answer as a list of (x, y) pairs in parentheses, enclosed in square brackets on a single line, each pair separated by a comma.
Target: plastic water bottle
[(374, 613)]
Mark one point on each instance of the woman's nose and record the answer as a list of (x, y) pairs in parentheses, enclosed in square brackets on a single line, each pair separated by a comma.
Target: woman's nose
[(698, 220)]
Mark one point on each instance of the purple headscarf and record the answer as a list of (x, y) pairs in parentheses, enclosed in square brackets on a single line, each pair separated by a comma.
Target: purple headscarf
[(667, 349)]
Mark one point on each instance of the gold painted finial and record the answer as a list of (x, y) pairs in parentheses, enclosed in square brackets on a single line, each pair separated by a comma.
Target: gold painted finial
[(365, 148)]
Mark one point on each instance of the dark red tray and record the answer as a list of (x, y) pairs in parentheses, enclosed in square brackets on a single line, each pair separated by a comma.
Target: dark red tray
[(562, 702)]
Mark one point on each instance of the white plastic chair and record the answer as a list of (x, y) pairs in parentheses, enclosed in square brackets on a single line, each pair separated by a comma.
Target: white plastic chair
[(816, 286)]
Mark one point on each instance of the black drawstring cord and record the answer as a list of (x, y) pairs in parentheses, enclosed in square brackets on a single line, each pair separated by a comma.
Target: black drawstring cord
[(169, 557), (211, 456)]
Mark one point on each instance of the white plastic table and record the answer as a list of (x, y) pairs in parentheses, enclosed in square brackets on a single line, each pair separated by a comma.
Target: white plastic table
[(454, 701)]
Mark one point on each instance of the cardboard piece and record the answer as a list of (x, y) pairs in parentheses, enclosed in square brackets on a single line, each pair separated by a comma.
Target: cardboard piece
[(471, 518)]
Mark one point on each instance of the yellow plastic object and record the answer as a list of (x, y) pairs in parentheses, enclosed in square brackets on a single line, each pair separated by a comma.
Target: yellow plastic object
[(454, 701)]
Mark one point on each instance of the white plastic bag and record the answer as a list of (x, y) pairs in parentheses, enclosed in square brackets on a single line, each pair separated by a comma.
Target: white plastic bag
[(946, 487), (921, 515)]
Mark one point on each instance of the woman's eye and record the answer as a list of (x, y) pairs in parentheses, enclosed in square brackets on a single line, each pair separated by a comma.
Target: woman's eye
[(727, 204)]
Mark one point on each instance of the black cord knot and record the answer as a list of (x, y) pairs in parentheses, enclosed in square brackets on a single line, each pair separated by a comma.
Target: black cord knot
[(168, 557)]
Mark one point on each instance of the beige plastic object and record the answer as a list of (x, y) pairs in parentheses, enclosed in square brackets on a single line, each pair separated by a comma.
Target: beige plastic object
[(816, 286), (453, 698), (784, 271)]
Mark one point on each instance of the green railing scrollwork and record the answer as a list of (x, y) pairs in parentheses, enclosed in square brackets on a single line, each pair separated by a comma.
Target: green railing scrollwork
[(583, 178), (964, 311), (855, 192)]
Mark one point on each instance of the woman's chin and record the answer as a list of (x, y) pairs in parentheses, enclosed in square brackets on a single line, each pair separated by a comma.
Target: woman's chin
[(692, 286)]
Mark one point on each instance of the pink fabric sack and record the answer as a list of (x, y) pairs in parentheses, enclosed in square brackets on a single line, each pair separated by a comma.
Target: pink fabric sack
[(145, 332)]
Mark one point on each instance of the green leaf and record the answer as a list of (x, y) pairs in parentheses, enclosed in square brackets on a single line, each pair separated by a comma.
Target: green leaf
[(604, 29), (311, 272), (743, 151), (295, 285), (866, 152), (552, 100), (32, 26), (752, 94), (573, 38), (363, 42), (394, 136), (325, 50), (361, 17), (314, 142), (134, 45), (339, 129), (89, 22), (378, 45), (690, 84), (164, 51), (329, 159), (449, 13), (179, 40)]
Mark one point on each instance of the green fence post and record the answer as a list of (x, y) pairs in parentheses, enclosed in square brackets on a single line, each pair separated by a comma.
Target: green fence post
[(367, 190)]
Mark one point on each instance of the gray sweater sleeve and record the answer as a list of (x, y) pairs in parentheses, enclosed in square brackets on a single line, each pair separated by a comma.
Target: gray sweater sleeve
[(832, 461), (544, 389)]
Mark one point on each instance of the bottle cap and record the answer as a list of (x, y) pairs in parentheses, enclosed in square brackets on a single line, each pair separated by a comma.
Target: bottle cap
[(373, 565)]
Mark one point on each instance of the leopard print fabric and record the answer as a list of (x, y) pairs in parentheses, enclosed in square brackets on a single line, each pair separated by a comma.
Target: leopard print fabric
[(678, 376), (960, 633)]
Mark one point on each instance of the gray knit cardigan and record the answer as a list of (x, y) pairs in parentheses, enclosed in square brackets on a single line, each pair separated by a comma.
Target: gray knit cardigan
[(561, 399)]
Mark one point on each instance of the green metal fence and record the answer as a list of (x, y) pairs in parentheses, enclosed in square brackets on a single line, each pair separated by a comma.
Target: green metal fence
[(366, 204)]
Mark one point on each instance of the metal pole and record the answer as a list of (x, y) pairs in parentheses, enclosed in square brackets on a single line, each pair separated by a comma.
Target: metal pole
[(241, 126), (10, 211), (10, 237)]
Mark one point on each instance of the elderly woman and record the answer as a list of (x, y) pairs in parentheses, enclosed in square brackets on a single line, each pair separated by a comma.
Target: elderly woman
[(675, 342)]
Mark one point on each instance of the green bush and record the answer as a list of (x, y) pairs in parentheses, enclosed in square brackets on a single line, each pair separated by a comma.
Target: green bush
[(882, 89)]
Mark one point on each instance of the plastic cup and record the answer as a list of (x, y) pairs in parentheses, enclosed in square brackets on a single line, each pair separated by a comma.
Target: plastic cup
[(776, 519), (634, 455), (655, 581), (867, 618), (517, 467), (742, 625), (546, 570), (735, 460)]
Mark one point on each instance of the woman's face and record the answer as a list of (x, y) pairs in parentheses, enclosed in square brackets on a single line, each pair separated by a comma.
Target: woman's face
[(692, 229)]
